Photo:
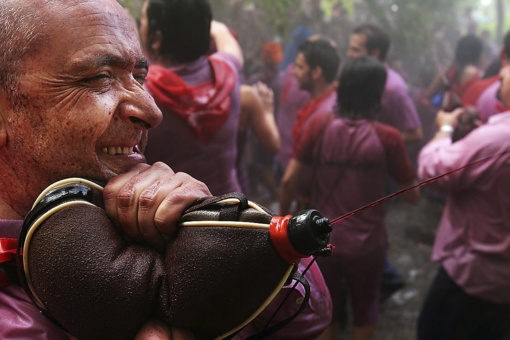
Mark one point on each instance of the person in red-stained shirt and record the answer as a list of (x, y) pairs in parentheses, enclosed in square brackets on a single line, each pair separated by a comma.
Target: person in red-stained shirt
[(197, 92), (351, 155), (315, 69)]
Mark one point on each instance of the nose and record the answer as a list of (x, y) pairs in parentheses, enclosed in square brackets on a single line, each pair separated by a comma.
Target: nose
[(504, 71), (139, 108)]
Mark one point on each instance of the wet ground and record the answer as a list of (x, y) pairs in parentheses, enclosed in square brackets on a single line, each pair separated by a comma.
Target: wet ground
[(411, 229)]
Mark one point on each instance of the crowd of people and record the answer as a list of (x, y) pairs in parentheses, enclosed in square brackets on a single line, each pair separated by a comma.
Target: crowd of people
[(164, 114)]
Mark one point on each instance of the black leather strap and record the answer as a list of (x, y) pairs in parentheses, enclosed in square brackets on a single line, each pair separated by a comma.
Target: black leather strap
[(276, 327), (228, 212)]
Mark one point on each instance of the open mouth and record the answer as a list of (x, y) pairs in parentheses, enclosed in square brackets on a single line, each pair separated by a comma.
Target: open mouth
[(119, 150)]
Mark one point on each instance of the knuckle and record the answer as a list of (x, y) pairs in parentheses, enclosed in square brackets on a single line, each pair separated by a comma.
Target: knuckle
[(192, 186), (160, 166), (147, 200), (126, 199)]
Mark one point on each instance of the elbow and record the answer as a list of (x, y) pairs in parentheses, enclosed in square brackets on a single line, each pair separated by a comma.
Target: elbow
[(272, 145), (275, 146)]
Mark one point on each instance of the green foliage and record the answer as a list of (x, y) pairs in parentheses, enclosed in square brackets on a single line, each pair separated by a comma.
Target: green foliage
[(277, 13), (133, 6), (421, 30)]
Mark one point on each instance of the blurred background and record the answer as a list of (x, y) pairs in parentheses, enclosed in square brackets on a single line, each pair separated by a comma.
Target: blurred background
[(423, 33)]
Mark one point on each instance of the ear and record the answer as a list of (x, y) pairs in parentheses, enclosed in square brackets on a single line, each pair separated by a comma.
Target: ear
[(3, 122), (316, 73)]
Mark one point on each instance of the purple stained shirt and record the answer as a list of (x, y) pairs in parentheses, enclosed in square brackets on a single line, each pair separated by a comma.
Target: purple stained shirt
[(173, 143), (20, 319), (397, 107), (472, 241), (350, 162), (488, 101), (310, 323), (292, 98)]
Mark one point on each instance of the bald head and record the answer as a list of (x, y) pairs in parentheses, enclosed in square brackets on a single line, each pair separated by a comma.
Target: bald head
[(21, 32), (24, 32)]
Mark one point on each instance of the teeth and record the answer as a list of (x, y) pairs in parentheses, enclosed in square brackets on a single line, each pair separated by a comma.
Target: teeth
[(118, 150)]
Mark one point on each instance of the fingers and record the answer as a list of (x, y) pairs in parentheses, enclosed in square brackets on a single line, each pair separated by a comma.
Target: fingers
[(174, 199), (148, 201)]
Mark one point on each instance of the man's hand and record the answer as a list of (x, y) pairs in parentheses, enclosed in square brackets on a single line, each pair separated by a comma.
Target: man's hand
[(448, 118), (467, 121), (446, 123), (148, 200)]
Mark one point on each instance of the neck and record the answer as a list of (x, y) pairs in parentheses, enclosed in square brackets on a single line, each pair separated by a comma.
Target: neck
[(320, 89), (16, 198), (166, 61)]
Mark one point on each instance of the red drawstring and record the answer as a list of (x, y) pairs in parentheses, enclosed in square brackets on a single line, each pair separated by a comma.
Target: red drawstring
[(7, 254)]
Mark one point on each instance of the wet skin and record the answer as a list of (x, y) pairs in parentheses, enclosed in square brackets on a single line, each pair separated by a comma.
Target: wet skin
[(301, 70), (82, 111)]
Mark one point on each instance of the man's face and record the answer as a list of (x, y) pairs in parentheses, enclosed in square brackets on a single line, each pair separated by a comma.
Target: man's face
[(302, 72), (357, 46), (504, 89), (85, 110)]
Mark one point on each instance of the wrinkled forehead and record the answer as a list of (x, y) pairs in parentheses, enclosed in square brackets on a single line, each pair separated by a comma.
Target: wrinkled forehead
[(76, 26)]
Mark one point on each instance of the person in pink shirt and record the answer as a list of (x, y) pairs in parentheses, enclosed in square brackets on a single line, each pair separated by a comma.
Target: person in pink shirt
[(397, 109), (488, 103), (351, 155), (315, 68), (470, 294), (397, 106)]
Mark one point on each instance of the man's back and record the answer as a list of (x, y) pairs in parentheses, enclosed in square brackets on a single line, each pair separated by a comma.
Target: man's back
[(472, 236), (191, 145), (397, 106)]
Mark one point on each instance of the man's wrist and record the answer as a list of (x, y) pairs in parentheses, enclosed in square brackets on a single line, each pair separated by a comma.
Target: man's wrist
[(446, 128)]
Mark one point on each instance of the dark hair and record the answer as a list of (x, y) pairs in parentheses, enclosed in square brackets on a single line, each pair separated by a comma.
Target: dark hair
[(506, 44), (321, 52), (468, 50), (376, 39), (185, 26), (361, 85)]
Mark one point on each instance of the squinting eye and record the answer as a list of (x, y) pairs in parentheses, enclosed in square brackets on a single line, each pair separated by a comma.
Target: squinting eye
[(98, 78), (140, 77)]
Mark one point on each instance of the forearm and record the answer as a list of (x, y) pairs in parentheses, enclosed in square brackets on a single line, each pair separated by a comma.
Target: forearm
[(270, 138), (288, 186), (413, 135), (225, 41)]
